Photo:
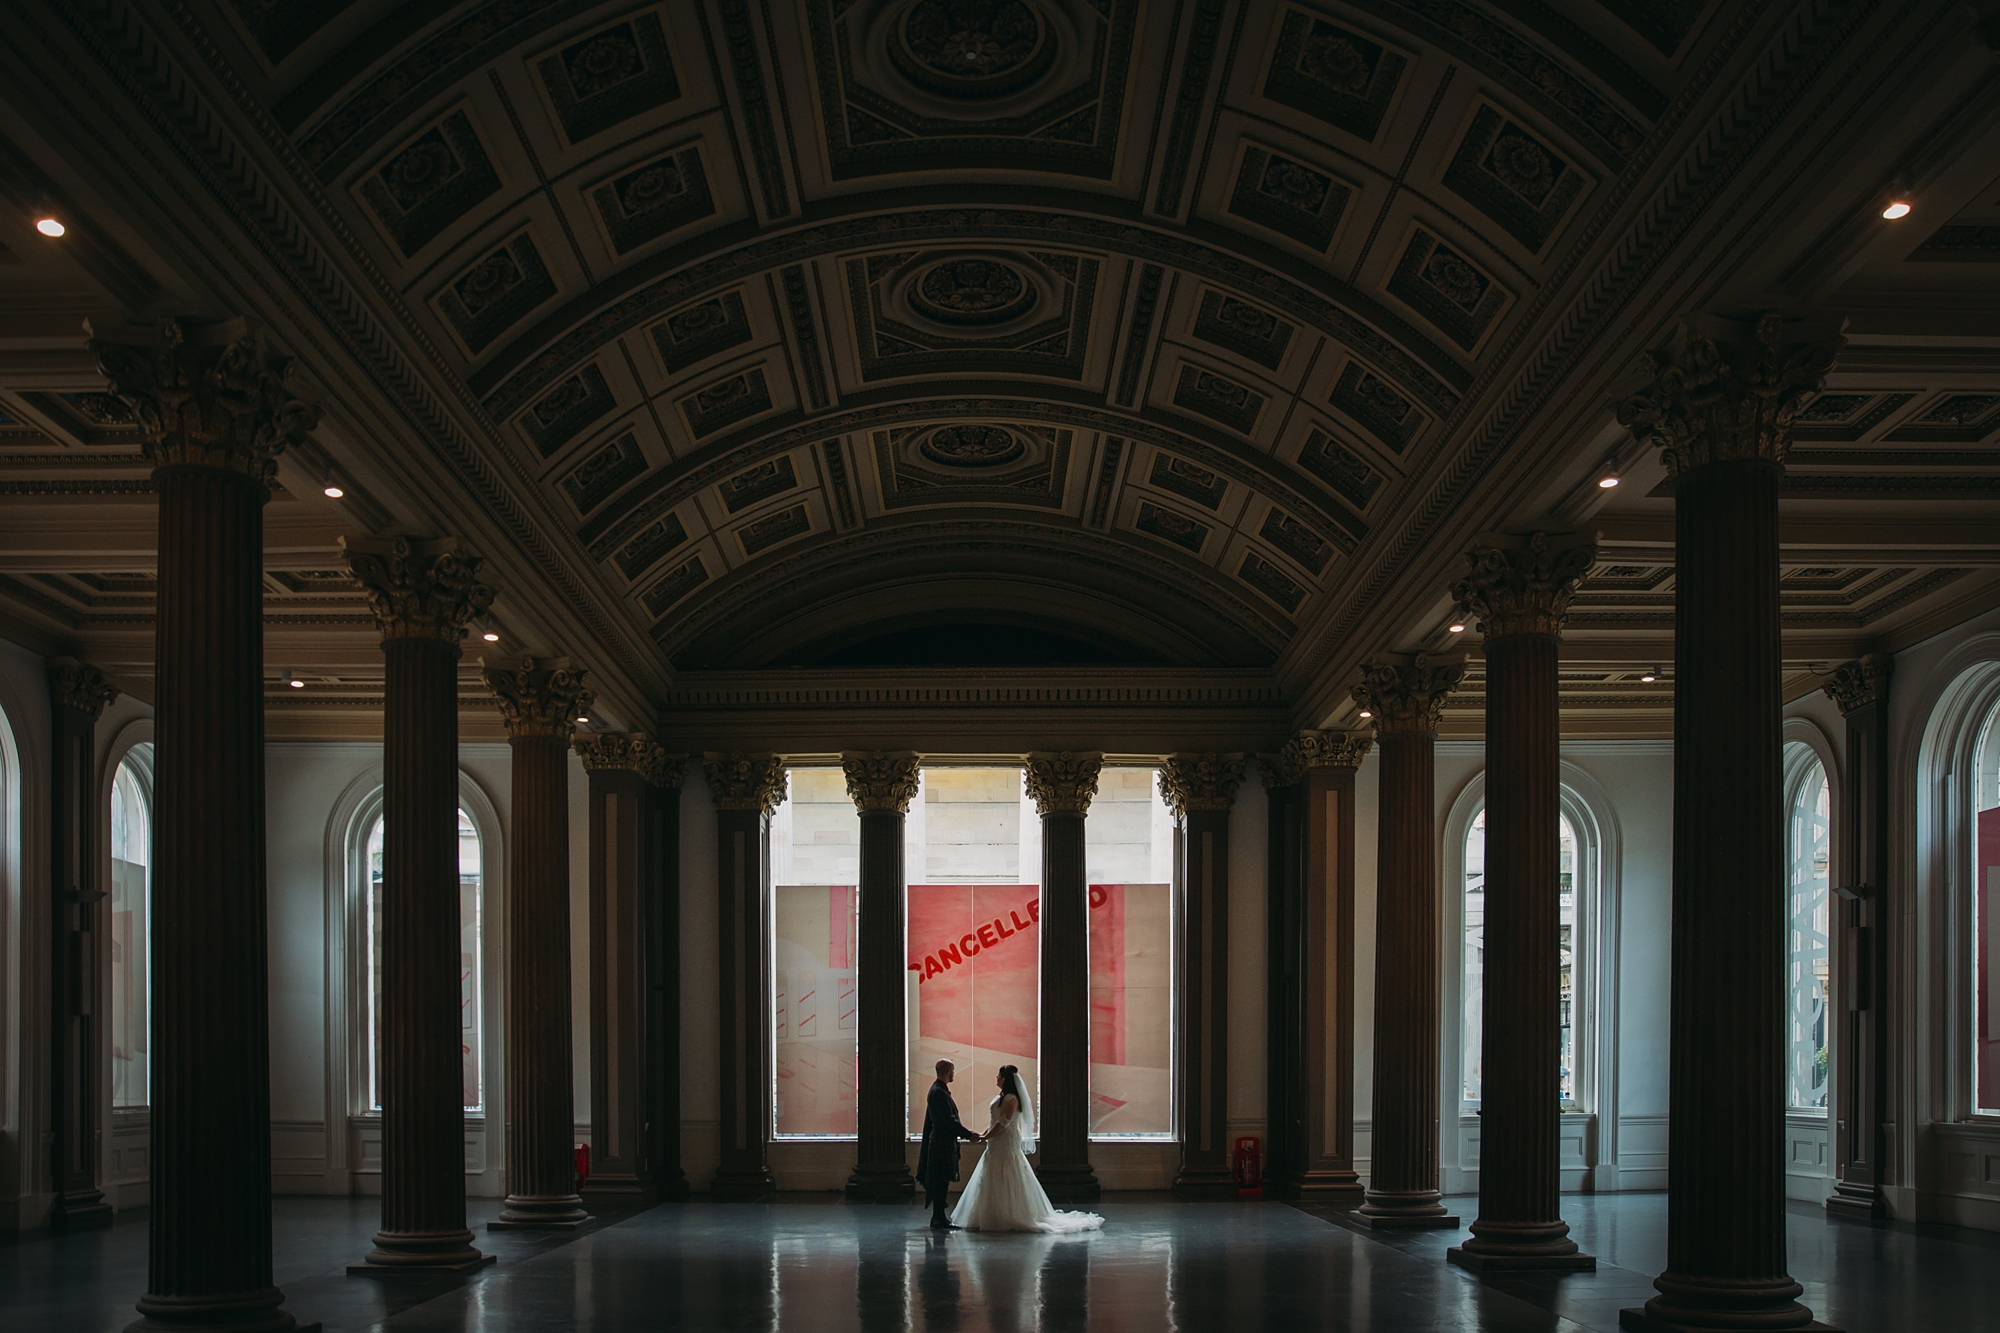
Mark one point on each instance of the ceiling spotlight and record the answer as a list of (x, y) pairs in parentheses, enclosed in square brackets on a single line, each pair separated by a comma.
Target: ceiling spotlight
[(292, 679), (1456, 627), (1651, 674), (1607, 481), (332, 489), (581, 720), (490, 632), (1366, 713), (50, 227), (1898, 208)]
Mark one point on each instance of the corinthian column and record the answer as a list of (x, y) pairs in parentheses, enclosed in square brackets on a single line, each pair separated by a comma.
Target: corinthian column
[(1199, 789), (1520, 590), (882, 785), (78, 695), (1323, 956), (660, 921), (214, 409), (1861, 942), (540, 698), (1062, 785), (1719, 404), (1405, 699), (746, 789), (423, 593)]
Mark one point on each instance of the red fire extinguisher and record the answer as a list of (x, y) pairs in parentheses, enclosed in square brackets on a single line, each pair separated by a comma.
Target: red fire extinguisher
[(582, 1165), (1249, 1160)]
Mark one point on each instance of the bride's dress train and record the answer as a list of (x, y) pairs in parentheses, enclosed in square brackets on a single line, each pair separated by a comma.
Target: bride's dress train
[(1003, 1194)]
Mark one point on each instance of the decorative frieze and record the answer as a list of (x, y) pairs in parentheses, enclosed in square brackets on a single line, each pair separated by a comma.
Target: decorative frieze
[(1063, 783), (879, 781), (1191, 782), (1524, 587), (213, 396), (1860, 683), (1408, 696), (1725, 390), (1326, 749), (538, 696), (419, 589), (78, 685), (745, 781)]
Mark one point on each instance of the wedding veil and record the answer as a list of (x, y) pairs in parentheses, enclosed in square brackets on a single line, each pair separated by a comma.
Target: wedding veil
[(1026, 1115)]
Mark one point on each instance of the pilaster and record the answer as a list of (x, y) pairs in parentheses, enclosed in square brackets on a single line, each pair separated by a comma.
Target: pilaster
[(882, 786), (746, 789), (1062, 786)]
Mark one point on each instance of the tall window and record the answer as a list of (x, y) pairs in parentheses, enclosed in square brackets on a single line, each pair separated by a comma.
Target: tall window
[(131, 935), (815, 867), (1807, 971), (1474, 992), (1129, 851), (1986, 918), (470, 906), (973, 853)]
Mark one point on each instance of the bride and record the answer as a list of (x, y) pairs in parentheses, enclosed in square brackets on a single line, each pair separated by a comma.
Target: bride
[(1003, 1194)]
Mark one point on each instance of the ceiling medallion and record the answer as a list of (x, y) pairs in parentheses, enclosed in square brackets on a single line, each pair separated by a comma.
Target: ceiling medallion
[(972, 48), (970, 446), (972, 291)]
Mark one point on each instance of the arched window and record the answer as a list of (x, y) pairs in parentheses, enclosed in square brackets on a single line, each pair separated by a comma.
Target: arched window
[(470, 906), (1986, 918), (131, 935), (1473, 991), (1809, 832)]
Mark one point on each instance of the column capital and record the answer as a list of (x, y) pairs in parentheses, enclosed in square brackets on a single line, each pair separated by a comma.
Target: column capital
[(1325, 749), (878, 781), (1523, 585), (1280, 769), (1063, 782), (419, 589), (1724, 390), (207, 395), (745, 781), (79, 685), (1861, 682), (538, 696), (612, 751), (1192, 782), (1408, 695), (662, 768)]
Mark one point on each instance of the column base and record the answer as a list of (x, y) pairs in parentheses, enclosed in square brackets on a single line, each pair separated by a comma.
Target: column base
[(1415, 1210), (81, 1211), (1210, 1183), (1861, 1202), (423, 1252), (1338, 1187), (1473, 1261), (1070, 1184), (252, 1312), (881, 1184), (742, 1186), (540, 1212), (1723, 1305), (1638, 1321)]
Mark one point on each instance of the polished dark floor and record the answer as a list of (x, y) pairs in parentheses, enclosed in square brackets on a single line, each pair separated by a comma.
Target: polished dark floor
[(811, 1262)]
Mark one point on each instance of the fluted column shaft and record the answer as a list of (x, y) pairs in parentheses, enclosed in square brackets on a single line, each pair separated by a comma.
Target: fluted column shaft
[(1284, 945), (1064, 1058), (76, 1041), (1403, 1126), (1199, 789), (661, 917), (882, 1168), (1860, 939), (210, 1187), (1520, 1103), (541, 1164), (618, 945), (420, 1065)]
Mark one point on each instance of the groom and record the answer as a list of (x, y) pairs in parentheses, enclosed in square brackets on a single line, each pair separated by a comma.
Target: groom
[(937, 1161)]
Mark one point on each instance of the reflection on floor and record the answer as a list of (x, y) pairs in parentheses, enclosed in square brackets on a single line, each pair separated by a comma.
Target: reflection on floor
[(811, 1262)]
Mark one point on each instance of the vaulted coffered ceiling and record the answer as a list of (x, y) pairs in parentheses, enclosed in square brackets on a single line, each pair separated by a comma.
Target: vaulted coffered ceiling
[(1160, 335)]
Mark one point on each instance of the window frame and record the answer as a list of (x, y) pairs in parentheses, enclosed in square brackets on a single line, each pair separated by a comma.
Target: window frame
[(127, 739), (1804, 746)]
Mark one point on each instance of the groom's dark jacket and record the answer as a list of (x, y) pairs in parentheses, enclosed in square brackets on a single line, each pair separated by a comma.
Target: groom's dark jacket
[(937, 1160)]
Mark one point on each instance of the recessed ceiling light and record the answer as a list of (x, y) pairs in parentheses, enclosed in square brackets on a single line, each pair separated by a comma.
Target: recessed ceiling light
[(333, 492), (490, 632), (50, 227), (1608, 480), (1366, 713), (1455, 627), (292, 679), (1651, 675), (582, 720), (1899, 208)]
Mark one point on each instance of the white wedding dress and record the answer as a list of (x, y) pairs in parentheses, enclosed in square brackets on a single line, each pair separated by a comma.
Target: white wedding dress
[(1003, 1194)]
